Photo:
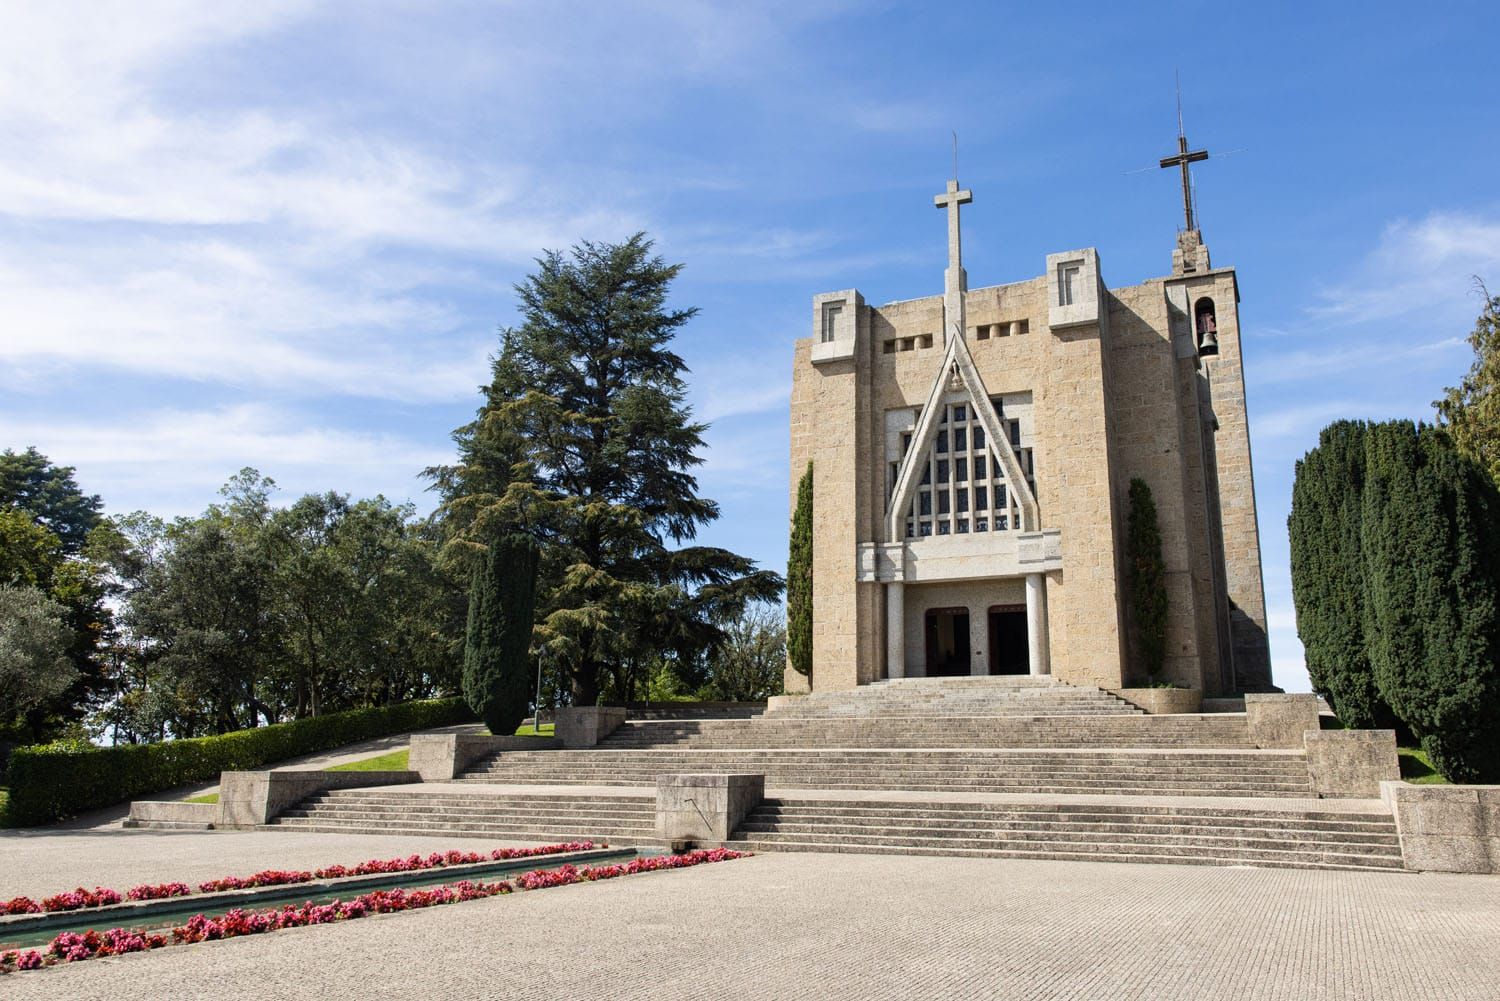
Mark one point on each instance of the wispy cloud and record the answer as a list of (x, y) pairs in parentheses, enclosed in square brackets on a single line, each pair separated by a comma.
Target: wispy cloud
[(203, 448), (1418, 267)]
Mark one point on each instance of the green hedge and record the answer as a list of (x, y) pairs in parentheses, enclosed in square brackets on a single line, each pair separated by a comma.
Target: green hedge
[(52, 781)]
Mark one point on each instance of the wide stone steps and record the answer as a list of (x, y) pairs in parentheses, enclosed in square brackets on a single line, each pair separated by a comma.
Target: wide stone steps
[(919, 732), (983, 696), (1309, 839), (1114, 772), (619, 819)]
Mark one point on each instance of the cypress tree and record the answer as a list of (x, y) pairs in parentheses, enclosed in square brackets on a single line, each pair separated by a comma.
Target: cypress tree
[(1432, 573), (799, 580), (1147, 579), (502, 604), (1328, 574)]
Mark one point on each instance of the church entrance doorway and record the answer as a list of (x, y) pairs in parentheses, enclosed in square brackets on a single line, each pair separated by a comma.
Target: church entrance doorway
[(947, 642), (1008, 648)]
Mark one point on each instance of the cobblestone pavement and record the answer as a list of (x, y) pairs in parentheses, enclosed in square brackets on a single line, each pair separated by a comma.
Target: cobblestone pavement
[(860, 926), (33, 863)]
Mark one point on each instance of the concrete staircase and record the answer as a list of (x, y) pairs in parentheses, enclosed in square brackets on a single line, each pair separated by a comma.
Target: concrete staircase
[(1133, 831), (1058, 772), (1006, 767), (471, 812), (767, 732), (1020, 695)]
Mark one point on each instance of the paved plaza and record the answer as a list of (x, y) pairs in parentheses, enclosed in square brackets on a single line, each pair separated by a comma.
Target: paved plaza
[(832, 926)]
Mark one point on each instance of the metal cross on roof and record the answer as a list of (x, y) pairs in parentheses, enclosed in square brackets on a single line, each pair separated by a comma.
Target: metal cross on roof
[(1184, 157)]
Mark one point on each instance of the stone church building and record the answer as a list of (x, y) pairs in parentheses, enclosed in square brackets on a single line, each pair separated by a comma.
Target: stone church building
[(972, 457)]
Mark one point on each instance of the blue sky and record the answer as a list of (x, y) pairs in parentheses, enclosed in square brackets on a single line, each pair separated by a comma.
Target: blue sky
[(283, 234)]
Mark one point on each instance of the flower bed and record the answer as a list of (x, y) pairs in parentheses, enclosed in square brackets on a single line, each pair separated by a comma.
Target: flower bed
[(70, 947), (99, 896)]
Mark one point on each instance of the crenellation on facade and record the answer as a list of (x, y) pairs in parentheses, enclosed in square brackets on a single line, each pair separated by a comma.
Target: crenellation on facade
[(955, 437)]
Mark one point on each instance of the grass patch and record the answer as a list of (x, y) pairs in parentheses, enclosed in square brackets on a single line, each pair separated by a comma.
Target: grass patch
[(4, 806), (208, 797), (525, 730), (394, 761), (1416, 767)]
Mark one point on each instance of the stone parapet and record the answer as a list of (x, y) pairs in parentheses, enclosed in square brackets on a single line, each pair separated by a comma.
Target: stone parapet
[(1351, 763), (585, 726), (705, 809), (172, 815), (1279, 720), (439, 757), (250, 799), (1446, 828), (1164, 701)]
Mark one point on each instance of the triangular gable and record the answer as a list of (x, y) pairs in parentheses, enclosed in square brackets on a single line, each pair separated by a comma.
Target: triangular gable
[(956, 359)]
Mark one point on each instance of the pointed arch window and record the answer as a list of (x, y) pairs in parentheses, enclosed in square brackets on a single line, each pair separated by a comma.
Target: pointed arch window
[(963, 485)]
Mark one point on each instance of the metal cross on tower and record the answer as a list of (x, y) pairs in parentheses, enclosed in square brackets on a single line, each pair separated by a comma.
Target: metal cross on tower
[(1182, 159)]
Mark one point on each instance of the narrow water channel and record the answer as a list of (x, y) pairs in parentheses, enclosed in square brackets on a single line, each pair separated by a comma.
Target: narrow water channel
[(166, 914)]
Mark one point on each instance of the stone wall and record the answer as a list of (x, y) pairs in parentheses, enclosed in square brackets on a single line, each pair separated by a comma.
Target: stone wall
[(1110, 400), (1236, 481), (1148, 437)]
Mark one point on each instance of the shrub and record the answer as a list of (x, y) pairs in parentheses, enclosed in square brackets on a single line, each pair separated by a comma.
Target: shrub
[(1431, 542), (1328, 577), (1148, 579), (799, 582), (502, 605), (52, 781)]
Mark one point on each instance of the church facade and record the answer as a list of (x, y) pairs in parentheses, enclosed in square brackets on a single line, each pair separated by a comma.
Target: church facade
[(972, 455)]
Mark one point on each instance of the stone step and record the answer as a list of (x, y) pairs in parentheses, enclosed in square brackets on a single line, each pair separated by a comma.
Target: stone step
[(1166, 845), (1086, 852), (615, 836), (1042, 829), (1222, 835), (853, 811)]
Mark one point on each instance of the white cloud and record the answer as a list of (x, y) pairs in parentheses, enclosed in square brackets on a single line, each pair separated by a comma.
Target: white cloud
[(1419, 267), (172, 461)]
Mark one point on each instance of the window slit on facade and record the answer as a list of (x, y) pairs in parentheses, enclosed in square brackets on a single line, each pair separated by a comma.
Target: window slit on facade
[(970, 488)]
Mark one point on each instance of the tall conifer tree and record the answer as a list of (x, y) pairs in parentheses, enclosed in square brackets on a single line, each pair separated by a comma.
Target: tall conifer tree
[(585, 437), (1148, 579), (1431, 542), (502, 608), (799, 580), (1328, 574)]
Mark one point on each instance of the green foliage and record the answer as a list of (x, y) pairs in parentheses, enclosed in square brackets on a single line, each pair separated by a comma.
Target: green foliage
[(799, 580), (30, 483), (585, 441), (1431, 542), (1147, 579), (254, 613), (393, 761), (34, 666), (751, 663), (33, 556), (1328, 587), (1471, 410), (502, 609), (1417, 768), (51, 782)]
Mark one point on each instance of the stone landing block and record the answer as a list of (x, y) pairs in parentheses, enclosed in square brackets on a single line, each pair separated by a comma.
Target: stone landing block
[(705, 809), (1280, 720), (585, 726), (1446, 828), (441, 757), (1351, 763), (250, 799), (172, 816)]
